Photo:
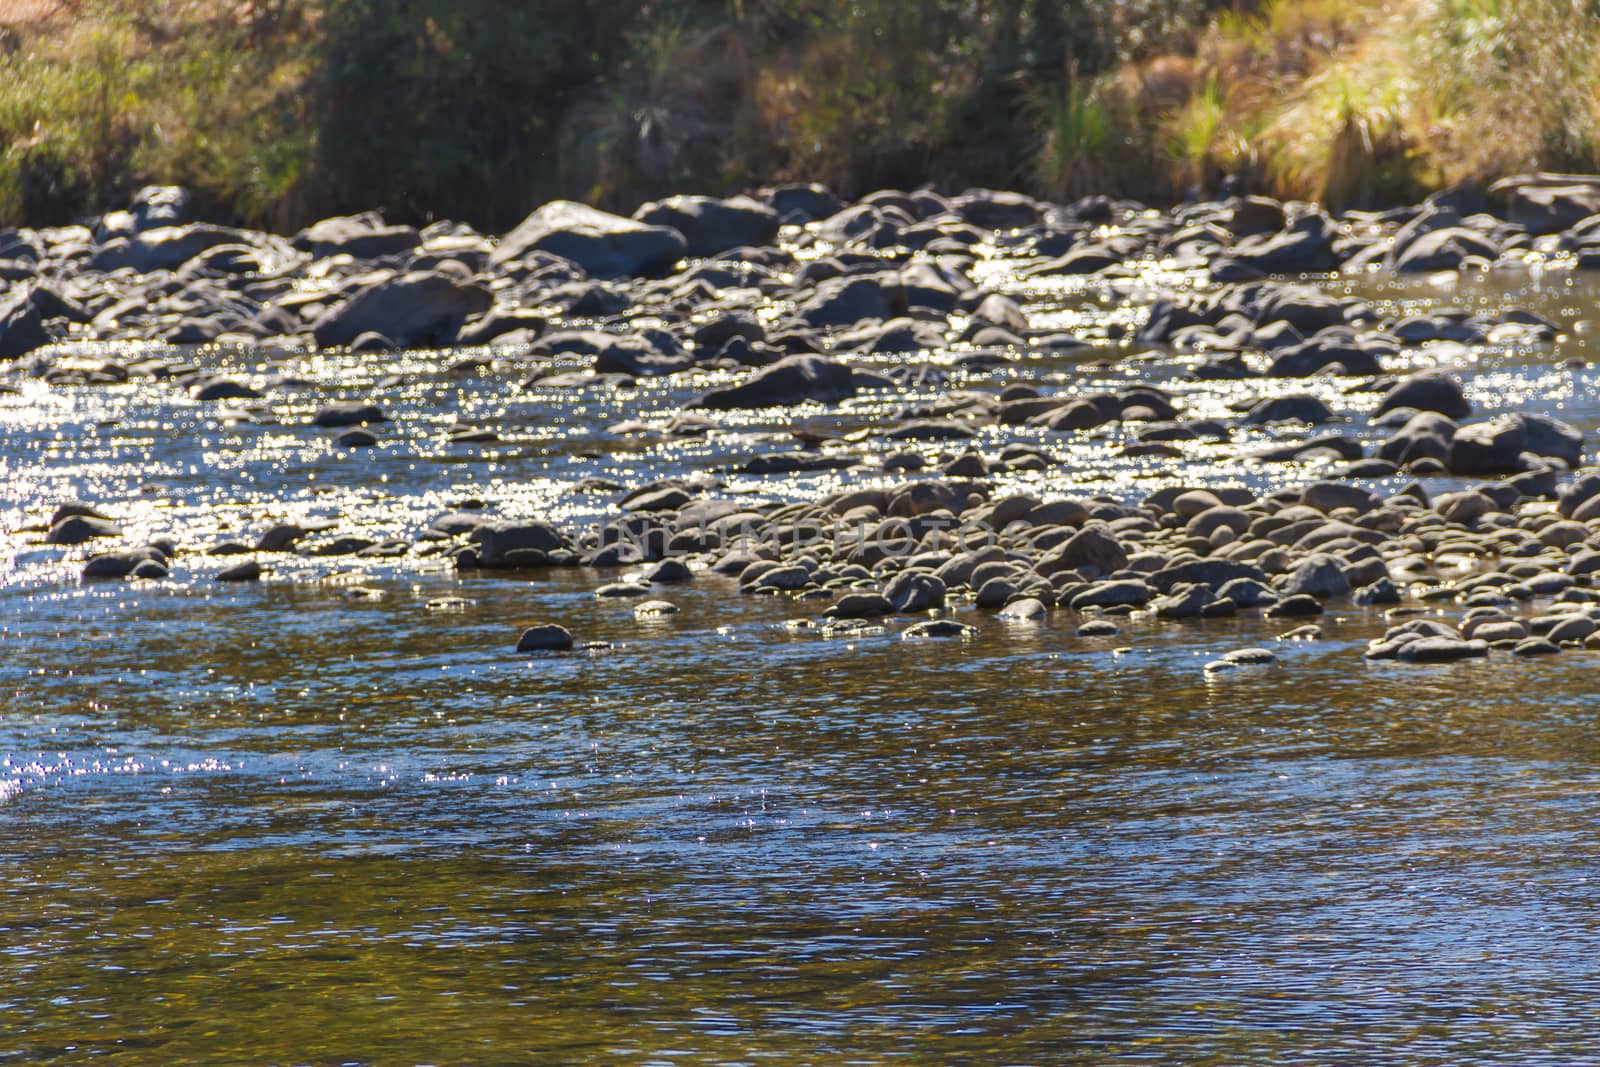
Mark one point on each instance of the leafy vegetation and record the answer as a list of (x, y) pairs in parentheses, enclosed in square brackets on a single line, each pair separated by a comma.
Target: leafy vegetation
[(278, 111)]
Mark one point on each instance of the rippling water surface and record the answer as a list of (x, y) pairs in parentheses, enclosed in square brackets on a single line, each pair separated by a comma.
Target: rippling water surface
[(321, 820)]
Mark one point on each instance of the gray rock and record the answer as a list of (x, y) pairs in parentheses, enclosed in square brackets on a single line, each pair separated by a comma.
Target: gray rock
[(911, 592), (852, 299), (792, 380), (1441, 650), (248, 571), (359, 236), (1302, 408), (500, 542), (1028, 609), (1120, 593), (709, 225), (1497, 446), (413, 309), (122, 564), (225, 389), (545, 637), (1318, 575), (940, 628), (278, 538), (1091, 548), (348, 413), (165, 247), (604, 245), (76, 529), (22, 326), (1427, 391), (1298, 606), (860, 606)]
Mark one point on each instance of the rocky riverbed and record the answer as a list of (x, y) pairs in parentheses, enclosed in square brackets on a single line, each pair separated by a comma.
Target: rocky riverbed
[(887, 411)]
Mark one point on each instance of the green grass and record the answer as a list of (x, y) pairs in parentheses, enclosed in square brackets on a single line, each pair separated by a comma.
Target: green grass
[(286, 110)]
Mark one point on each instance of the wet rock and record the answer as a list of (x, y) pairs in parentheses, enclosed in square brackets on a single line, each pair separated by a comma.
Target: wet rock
[(1302, 408), (1380, 592), (164, 247), (808, 201), (1535, 646), (655, 609), (1427, 391), (1548, 203), (545, 637), (356, 438), (1098, 628), (1441, 650), (850, 300), (1498, 445), (637, 357), (421, 308), (358, 236), (280, 537), (940, 628), (225, 389), (1124, 592), (248, 571), (1191, 602), (1294, 606), (604, 245), (709, 225), (1318, 575), (621, 590), (668, 571), (1248, 593), (22, 328), (860, 606), (75, 529), (347, 413), (792, 380), (123, 563), (1443, 249), (511, 543), (1214, 574), (1093, 548), (1329, 496), (911, 592), (1028, 609)]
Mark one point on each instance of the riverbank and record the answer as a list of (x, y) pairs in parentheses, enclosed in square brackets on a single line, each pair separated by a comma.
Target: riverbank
[(276, 114)]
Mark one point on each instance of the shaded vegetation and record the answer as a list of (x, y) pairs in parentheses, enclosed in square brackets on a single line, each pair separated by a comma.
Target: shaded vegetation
[(278, 111)]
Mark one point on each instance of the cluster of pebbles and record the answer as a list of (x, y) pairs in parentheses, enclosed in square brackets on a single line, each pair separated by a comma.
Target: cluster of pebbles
[(781, 298)]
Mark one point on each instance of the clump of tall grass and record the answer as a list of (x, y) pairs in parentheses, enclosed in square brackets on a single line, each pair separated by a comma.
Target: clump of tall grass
[(123, 92)]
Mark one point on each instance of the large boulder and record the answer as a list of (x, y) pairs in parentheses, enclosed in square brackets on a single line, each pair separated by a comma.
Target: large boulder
[(1442, 249), (605, 245), (1548, 203), (360, 236), (1499, 445), (22, 327), (165, 247), (792, 380), (1427, 391), (710, 225), (512, 543), (418, 308), (851, 299)]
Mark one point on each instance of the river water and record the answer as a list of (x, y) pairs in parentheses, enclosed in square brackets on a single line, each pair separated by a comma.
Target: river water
[(334, 817)]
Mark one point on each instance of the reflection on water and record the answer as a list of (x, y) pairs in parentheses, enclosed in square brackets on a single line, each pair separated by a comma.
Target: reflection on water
[(288, 824)]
